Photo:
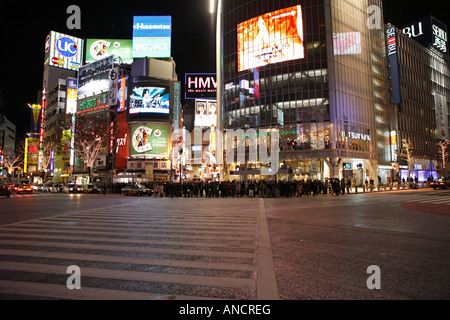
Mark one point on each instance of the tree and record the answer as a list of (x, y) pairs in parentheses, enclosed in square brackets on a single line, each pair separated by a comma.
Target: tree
[(443, 152), (406, 152), (91, 138), (12, 161)]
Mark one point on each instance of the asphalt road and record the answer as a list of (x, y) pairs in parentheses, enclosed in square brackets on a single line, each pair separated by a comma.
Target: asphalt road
[(291, 249)]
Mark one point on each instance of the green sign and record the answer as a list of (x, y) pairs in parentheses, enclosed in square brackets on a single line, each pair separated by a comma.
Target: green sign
[(93, 104), (150, 140), (97, 49)]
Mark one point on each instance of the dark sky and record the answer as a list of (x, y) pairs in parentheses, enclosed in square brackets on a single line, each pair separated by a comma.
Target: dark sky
[(193, 37)]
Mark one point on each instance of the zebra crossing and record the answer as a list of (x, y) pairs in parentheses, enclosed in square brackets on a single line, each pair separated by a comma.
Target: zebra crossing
[(134, 252), (437, 197)]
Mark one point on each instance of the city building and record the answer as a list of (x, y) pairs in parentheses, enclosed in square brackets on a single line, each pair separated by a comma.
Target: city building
[(316, 72), (7, 141), (420, 85)]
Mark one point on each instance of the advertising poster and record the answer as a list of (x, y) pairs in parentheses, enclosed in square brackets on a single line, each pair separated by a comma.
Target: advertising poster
[(150, 140), (441, 110), (63, 51), (97, 49), (150, 99), (94, 77), (122, 94), (35, 122), (205, 113), (72, 96), (152, 36), (348, 43), (271, 38)]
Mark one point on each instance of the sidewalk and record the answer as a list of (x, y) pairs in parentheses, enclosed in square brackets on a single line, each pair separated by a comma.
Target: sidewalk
[(387, 189)]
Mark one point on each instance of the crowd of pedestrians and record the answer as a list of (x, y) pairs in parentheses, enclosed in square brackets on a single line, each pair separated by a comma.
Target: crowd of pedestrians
[(247, 188)]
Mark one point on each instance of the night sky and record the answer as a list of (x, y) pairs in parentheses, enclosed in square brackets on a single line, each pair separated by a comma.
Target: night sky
[(193, 37)]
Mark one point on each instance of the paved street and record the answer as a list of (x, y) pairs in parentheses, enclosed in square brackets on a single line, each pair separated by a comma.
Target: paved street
[(305, 248)]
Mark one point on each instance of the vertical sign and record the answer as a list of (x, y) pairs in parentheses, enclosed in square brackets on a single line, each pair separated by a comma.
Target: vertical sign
[(441, 110), (176, 105), (122, 91), (72, 96), (113, 80), (394, 146), (391, 33)]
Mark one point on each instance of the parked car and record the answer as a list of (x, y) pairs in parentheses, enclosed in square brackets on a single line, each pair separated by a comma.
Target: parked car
[(36, 187), (73, 188), (91, 188), (135, 189), (4, 190), (24, 188), (440, 183)]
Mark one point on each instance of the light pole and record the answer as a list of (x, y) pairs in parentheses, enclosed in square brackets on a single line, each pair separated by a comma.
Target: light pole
[(217, 6)]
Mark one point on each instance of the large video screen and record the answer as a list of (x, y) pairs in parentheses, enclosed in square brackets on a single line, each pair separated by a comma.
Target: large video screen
[(271, 38), (149, 100)]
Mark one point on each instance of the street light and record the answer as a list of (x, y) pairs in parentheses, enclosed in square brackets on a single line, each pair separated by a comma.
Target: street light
[(219, 124)]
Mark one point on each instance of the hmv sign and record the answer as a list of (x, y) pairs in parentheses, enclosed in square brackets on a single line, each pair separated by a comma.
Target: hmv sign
[(200, 86), (429, 32)]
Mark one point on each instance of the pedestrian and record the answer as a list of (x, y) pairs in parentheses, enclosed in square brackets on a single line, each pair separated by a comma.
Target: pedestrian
[(349, 185), (343, 185)]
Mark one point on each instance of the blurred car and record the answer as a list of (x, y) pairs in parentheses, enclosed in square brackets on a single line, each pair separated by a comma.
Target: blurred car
[(91, 188), (5, 191), (14, 187), (440, 183), (135, 189), (47, 187), (73, 188), (57, 188), (36, 187), (24, 188)]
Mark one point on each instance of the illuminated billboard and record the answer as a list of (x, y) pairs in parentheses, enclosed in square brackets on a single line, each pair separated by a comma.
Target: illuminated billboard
[(149, 99), (149, 140), (72, 96), (122, 94), (200, 86), (429, 32), (97, 49), (348, 43), (63, 51), (152, 36), (271, 38), (205, 113), (441, 109), (94, 77)]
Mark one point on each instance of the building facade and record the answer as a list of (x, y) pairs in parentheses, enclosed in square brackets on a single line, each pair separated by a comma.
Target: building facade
[(420, 116), (316, 72)]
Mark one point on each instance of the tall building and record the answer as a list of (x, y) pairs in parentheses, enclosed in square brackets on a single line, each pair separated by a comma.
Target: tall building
[(420, 82), (316, 72)]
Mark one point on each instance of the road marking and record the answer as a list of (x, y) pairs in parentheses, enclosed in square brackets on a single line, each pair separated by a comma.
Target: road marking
[(266, 282)]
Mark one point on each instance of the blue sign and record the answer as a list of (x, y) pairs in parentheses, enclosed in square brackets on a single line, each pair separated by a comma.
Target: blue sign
[(152, 26), (152, 36), (392, 47), (66, 47)]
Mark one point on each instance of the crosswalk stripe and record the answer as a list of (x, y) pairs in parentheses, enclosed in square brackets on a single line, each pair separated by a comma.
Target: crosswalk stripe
[(116, 248), (129, 246), (131, 275), (85, 293), (129, 260)]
